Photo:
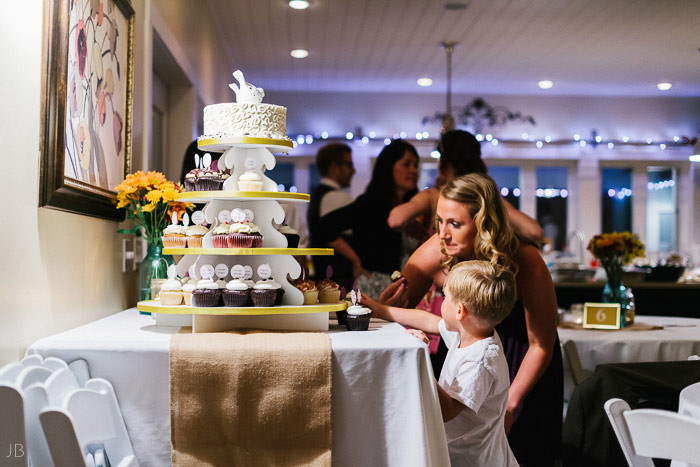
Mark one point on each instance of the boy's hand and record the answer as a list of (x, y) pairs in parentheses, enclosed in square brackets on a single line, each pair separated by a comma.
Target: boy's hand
[(378, 310), (419, 335), (396, 294)]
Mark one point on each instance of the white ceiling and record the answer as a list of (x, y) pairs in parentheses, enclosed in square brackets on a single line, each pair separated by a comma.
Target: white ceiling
[(593, 47)]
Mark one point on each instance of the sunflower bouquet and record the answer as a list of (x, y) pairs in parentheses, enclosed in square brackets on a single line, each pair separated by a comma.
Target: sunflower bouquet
[(614, 250), (149, 199)]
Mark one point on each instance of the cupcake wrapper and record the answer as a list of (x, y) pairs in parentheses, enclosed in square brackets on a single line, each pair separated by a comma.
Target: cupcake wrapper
[(263, 297), (206, 297), (194, 242), (292, 240), (329, 296), (235, 298), (237, 240), (187, 298), (257, 241), (174, 242), (357, 322), (208, 185), (170, 298), (310, 297), (189, 186), (220, 241), (249, 186), (342, 317), (278, 298)]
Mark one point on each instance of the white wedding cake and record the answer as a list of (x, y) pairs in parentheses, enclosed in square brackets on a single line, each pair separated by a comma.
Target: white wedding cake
[(247, 117)]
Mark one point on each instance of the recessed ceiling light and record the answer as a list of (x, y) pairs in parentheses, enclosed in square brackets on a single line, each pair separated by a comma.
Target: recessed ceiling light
[(664, 86), (299, 53), (299, 4), (545, 84), (425, 82)]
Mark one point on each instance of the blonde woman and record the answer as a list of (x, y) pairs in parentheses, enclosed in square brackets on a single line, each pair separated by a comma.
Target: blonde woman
[(472, 223)]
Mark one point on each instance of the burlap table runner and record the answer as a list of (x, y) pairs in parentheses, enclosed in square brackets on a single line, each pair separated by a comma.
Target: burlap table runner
[(633, 327), (250, 398)]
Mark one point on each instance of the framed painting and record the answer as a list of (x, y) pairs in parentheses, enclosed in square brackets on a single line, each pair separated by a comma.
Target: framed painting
[(86, 99)]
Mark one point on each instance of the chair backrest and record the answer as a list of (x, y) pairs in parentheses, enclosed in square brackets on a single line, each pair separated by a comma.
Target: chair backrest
[(689, 401), (653, 433), (614, 408), (572, 359)]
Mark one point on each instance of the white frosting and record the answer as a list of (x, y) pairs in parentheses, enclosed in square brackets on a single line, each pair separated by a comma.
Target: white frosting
[(221, 283), (285, 229), (249, 283), (198, 230), (241, 119), (189, 287), (267, 284), (171, 285), (221, 229), (237, 284), (250, 176), (207, 284), (175, 229), (358, 310)]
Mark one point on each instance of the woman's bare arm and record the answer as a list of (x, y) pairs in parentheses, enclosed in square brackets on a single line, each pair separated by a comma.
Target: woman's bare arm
[(402, 215), (537, 293)]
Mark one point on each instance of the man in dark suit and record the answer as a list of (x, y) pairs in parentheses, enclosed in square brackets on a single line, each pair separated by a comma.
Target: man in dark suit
[(334, 163)]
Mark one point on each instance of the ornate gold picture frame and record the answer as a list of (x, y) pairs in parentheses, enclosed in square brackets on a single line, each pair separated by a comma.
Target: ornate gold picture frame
[(86, 97)]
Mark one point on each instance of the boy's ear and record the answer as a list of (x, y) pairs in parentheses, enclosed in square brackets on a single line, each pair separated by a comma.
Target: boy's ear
[(461, 311)]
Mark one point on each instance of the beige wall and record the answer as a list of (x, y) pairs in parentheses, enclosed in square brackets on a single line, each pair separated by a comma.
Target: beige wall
[(59, 270)]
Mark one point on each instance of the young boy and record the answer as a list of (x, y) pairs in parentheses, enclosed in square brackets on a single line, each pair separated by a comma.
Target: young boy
[(473, 385)]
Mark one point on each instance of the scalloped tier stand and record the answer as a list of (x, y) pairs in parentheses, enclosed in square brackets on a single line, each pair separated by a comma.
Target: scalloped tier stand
[(243, 154)]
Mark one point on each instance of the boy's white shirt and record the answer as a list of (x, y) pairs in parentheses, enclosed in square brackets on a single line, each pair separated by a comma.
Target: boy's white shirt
[(477, 376)]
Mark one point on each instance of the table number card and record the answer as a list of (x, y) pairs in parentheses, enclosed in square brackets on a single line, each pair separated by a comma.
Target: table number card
[(602, 316)]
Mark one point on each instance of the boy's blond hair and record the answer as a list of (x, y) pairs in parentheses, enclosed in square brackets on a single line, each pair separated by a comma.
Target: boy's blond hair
[(486, 289)]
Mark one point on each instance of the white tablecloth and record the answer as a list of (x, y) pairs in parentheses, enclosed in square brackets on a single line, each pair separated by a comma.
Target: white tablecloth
[(678, 340), (385, 406)]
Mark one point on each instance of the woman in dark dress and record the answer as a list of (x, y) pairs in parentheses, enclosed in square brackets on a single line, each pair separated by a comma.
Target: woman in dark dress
[(472, 224), (374, 249)]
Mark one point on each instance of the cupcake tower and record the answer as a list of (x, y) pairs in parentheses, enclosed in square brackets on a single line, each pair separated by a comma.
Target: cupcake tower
[(247, 231)]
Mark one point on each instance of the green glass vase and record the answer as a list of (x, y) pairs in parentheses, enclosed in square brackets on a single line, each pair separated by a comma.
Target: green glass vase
[(615, 292), (154, 267)]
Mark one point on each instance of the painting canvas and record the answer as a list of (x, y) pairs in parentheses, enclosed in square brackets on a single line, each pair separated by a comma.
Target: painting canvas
[(92, 111)]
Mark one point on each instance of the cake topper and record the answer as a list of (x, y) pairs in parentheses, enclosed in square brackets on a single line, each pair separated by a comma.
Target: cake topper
[(185, 219), (238, 271), (197, 161), (172, 271), (206, 271), (249, 215), (190, 271), (221, 270), (246, 93), (343, 293), (248, 272), (224, 216), (198, 217), (329, 272), (237, 215), (264, 271), (206, 160), (353, 297)]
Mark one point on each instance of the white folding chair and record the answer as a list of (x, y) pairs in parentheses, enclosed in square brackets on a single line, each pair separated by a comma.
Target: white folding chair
[(689, 401), (578, 373), (649, 433), (87, 417)]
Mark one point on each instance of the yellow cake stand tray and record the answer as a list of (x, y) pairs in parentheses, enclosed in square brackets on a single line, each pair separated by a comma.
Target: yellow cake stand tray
[(222, 144), (205, 196), (249, 251), (218, 319)]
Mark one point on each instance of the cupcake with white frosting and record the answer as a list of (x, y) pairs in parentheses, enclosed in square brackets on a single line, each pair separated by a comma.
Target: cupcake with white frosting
[(239, 235), (195, 234), (174, 236), (220, 235), (187, 290), (357, 318), (235, 293), (250, 181), (292, 235), (171, 293), (267, 293), (206, 293)]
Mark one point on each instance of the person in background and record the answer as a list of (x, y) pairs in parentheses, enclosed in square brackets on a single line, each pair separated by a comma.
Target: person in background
[(374, 249), (334, 163), (472, 223), (473, 385)]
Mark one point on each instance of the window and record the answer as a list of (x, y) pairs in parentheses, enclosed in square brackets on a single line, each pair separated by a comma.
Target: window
[(428, 175), (283, 175), (661, 210), (552, 194), (616, 199), (508, 180)]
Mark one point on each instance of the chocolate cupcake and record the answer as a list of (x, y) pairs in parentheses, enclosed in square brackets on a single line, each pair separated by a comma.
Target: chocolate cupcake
[(220, 235), (266, 293), (358, 318), (239, 236), (291, 235), (207, 294), (191, 180), (208, 180), (235, 294)]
